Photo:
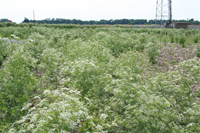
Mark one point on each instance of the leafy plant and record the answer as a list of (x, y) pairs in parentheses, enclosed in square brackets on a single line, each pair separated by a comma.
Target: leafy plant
[(152, 52), (198, 50), (196, 39), (182, 41), (176, 39), (74, 78), (172, 38)]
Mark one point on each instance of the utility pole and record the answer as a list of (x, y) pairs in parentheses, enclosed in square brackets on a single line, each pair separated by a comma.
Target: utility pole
[(170, 11), (34, 16)]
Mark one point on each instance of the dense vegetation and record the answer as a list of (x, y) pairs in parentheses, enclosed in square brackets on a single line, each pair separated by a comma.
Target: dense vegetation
[(100, 80)]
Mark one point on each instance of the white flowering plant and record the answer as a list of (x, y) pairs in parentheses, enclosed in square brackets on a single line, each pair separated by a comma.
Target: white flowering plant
[(97, 80)]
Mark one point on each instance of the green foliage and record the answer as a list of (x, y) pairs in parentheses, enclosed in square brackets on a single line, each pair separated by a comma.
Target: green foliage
[(182, 41), (198, 50), (132, 23), (196, 39), (172, 38), (165, 40), (176, 39), (95, 80), (30, 25), (152, 52)]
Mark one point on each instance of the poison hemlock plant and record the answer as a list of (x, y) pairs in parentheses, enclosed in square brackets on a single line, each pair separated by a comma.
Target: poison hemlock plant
[(172, 38), (152, 52), (182, 41), (198, 50), (95, 80), (196, 39), (177, 39)]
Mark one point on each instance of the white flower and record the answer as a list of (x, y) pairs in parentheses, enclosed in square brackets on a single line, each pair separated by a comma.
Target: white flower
[(12, 130), (50, 117), (103, 116), (92, 123), (22, 120), (56, 92), (36, 97), (89, 117), (189, 125), (47, 92), (31, 40), (98, 127), (26, 107), (65, 115), (30, 126), (114, 124), (41, 122)]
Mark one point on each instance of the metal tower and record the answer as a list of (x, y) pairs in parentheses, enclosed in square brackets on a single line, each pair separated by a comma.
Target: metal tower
[(163, 12), (170, 11)]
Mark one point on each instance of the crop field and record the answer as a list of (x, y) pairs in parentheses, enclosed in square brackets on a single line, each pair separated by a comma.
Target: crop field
[(107, 79)]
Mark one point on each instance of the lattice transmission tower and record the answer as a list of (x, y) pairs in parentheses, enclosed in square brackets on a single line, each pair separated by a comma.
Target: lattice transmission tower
[(163, 12)]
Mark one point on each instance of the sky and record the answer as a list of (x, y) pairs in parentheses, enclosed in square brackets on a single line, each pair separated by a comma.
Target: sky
[(16, 10)]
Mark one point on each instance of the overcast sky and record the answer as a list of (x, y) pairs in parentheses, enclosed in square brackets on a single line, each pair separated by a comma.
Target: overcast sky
[(16, 10)]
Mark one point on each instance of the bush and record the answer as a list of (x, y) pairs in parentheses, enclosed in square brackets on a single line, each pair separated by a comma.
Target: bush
[(165, 40), (176, 39), (58, 111), (196, 39), (198, 50), (172, 38), (152, 52), (139, 47), (30, 25), (143, 40), (1, 60), (182, 41)]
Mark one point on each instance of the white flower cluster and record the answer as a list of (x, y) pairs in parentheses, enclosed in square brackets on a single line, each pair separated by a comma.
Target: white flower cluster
[(14, 36), (57, 109)]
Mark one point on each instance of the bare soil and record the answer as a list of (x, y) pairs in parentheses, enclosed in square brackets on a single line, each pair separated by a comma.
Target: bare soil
[(172, 54)]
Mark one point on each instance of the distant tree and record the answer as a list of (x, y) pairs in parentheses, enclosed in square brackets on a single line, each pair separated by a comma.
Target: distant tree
[(4, 20), (131, 23), (124, 21), (26, 20)]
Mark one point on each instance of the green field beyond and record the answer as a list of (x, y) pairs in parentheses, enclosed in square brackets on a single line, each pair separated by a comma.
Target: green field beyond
[(105, 79)]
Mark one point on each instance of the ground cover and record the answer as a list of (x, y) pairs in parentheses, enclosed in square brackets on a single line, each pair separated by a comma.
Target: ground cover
[(100, 80)]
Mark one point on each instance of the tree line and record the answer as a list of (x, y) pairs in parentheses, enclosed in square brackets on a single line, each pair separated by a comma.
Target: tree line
[(100, 22), (103, 21)]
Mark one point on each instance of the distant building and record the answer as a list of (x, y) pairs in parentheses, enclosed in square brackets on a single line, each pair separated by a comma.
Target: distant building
[(178, 25)]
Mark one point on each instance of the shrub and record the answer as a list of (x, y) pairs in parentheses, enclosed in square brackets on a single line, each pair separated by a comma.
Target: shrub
[(196, 39), (143, 40), (165, 40), (152, 52), (139, 47), (172, 38), (182, 41), (59, 111), (198, 50), (176, 39), (30, 25), (1, 60)]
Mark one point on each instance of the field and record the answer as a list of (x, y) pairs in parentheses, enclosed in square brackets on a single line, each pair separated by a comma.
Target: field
[(106, 79)]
